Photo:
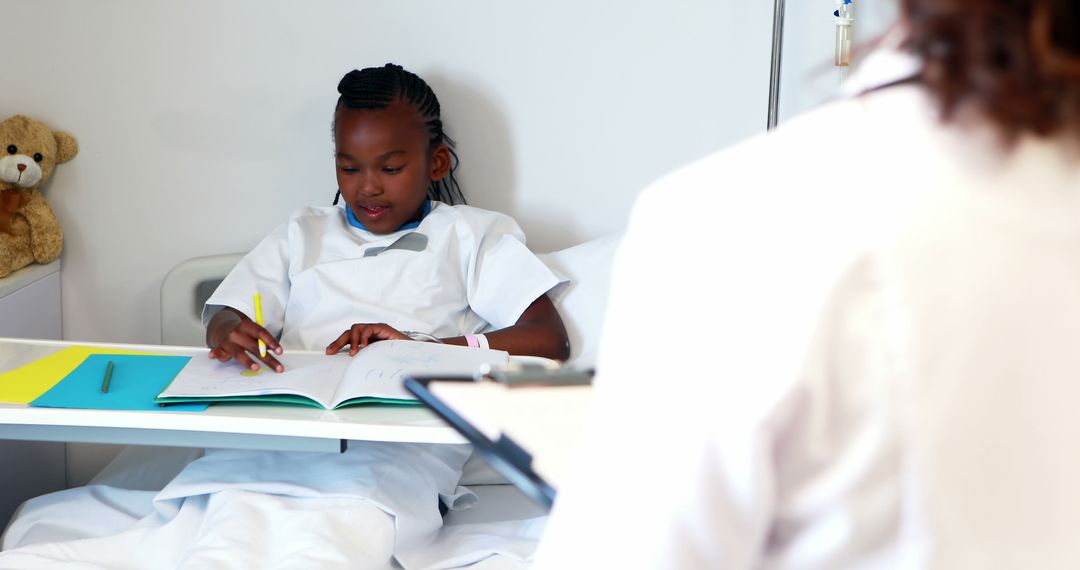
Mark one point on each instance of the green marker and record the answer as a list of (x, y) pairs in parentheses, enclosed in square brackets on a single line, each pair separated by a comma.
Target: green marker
[(108, 376)]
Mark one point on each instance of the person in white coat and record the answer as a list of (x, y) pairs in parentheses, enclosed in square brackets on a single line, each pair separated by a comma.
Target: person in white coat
[(855, 342)]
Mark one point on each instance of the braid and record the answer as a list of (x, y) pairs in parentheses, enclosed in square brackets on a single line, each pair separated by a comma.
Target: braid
[(378, 87)]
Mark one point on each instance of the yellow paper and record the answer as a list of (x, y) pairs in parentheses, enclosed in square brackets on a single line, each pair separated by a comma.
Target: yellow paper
[(26, 383)]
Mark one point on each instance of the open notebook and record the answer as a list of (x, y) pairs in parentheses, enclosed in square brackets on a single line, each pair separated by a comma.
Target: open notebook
[(374, 375)]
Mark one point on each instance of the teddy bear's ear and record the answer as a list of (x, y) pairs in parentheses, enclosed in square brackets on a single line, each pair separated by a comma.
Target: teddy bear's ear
[(66, 147)]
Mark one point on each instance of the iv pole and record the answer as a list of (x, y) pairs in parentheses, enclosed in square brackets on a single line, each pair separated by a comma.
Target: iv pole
[(774, 67)]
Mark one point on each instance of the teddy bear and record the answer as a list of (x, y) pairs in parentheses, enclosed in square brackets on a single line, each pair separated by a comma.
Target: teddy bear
[(29, 152)]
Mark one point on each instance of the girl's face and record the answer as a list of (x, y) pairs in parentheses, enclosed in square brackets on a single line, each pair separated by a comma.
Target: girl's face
[(384, 164)]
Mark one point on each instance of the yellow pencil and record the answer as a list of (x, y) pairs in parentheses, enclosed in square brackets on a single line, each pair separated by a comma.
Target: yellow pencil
[(259, 321)]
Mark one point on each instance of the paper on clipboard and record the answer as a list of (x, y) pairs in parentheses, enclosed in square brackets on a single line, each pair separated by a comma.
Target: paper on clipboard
[(546, 420)]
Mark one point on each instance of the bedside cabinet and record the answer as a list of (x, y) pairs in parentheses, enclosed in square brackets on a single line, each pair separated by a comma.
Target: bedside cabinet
[(30, 302), (30, 308)]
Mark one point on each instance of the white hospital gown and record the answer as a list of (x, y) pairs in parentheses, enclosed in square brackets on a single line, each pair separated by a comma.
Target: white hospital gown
[(852, 343), (375, 506), (317, 276)]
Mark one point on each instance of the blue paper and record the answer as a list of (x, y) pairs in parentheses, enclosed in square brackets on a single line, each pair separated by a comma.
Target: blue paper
[(136, 380)]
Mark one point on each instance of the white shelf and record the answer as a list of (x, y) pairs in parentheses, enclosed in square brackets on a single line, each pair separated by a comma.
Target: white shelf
[(27, 276), (30, 302)]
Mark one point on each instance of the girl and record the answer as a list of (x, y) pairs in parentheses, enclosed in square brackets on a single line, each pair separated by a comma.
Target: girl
[(463, 270), (398, 261)]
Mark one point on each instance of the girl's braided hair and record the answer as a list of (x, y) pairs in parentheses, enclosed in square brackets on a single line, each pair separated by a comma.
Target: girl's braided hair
[(377, 88)]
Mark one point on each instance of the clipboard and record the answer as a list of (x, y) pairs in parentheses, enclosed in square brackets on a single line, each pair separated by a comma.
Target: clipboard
[(505, 455)]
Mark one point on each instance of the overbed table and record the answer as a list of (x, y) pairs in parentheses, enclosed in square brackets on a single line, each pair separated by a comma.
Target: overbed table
[(245, 426)]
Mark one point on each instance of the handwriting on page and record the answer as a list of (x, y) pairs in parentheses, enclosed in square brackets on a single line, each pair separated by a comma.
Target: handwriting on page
[(380, 368), (393, 360), (375, 372), (304, 373)]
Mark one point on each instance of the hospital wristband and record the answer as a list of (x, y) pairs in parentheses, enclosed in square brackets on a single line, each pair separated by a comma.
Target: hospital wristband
[(476, 341)]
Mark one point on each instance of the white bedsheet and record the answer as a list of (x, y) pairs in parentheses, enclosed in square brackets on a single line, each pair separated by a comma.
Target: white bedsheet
[(372, 507), (501, 532)]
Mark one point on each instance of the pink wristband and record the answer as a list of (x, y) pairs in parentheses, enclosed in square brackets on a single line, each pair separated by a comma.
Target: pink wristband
[(472, 341)]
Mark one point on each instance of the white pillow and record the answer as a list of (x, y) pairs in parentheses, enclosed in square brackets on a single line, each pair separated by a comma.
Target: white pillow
[(582, 302)]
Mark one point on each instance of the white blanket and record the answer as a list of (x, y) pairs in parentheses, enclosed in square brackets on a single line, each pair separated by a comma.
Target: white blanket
[(373, 507)]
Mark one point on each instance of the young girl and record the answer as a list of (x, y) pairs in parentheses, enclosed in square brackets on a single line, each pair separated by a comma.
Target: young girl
[(398, 261), (459, 271)]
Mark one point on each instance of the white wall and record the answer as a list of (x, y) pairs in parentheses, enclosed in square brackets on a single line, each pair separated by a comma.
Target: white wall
[(808, 77), (203, 123)]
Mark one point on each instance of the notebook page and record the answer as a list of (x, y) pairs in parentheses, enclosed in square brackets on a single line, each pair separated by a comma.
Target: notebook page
[(378, 370), (314, 375)]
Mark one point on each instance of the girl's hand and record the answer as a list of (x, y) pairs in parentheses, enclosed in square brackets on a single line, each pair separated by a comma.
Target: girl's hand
[(362, 334), (232, 336)]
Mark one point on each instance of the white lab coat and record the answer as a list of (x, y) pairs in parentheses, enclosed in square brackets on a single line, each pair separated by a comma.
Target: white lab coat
[(855, 345)]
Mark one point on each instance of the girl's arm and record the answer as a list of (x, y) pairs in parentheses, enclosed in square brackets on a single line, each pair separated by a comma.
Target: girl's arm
[(539, 331)]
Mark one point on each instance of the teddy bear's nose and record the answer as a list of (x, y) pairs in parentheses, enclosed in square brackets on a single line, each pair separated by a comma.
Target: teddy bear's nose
[(21, 167)]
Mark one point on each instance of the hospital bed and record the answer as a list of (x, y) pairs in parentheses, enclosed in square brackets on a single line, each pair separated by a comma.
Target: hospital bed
[(503, 520)]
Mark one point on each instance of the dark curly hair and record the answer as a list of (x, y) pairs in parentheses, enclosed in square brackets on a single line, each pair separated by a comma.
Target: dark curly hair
[(1017, 62)]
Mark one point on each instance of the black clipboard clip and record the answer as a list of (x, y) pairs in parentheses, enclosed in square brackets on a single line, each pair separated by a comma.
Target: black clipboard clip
[(519, 375)]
